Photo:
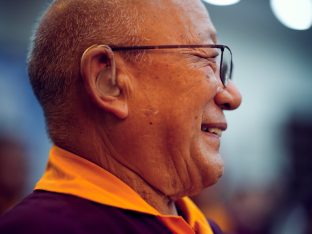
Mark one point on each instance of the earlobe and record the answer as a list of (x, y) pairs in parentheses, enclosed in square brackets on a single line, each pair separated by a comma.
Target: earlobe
[(98, 71)]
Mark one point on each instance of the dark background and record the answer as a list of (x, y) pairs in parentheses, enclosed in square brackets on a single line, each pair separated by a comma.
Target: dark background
[(267, 148)]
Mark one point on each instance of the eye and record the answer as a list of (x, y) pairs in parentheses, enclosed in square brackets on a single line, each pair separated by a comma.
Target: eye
[(209, 62), (207, 57), (204, 61)]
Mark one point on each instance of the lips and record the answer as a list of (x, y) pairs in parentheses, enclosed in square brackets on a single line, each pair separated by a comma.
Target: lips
[(214, 128)]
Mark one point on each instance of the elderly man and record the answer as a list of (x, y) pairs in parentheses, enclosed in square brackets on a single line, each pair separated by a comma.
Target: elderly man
[(133, 94)]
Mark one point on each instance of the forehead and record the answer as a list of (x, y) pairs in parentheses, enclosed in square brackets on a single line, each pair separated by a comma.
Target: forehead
[(178, 22)]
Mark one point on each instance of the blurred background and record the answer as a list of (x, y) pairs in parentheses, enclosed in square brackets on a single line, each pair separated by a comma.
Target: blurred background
[(267, 148)]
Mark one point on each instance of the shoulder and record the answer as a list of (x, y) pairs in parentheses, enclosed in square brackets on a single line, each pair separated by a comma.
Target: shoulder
[(47, 212), (40, 212)]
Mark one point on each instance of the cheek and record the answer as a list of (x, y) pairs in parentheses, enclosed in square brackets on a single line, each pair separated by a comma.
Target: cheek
[(191, 165), (197, 163), (168, 154), (178, 137)]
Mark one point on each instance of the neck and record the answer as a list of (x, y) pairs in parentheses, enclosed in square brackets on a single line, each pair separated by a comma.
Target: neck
[(151, 195), (90, 141), (95, 152)]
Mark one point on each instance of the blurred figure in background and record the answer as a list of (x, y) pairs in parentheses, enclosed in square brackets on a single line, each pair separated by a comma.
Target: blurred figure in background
[(297, 201), (247, 210), (13, 172), (283, 206)]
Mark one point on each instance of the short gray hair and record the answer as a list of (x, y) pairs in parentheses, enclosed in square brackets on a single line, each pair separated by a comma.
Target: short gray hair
[(65, 30)]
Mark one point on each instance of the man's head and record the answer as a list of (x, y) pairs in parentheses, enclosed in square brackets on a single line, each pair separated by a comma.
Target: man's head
[(145, 109), (66, 29)]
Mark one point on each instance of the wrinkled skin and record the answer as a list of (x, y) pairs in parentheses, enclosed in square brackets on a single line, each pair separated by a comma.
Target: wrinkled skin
[(172, 96), (150, 135)]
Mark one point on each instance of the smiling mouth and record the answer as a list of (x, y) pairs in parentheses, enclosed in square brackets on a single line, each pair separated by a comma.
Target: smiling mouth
[(215, 129)]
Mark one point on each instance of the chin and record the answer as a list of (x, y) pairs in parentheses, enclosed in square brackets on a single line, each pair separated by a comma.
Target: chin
[(209, 178), (217, 176), (205, 169), (212, 171)]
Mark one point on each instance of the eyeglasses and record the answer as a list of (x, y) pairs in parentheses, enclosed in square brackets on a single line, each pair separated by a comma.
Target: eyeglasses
[(224, 59)]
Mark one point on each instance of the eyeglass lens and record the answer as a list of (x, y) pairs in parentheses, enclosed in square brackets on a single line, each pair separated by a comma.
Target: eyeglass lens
[(226, 69)]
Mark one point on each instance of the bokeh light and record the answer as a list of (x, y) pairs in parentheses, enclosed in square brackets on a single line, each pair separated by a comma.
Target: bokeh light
[(293, 14), (222, 2)]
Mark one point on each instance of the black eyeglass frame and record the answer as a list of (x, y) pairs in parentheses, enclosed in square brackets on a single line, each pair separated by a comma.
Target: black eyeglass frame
[(224, 79)]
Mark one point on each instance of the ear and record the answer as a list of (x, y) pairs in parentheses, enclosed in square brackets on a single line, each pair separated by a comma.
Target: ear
[(98, 71)]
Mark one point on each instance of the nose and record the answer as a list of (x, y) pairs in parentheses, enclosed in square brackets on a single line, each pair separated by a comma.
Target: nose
[(228, 98)]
